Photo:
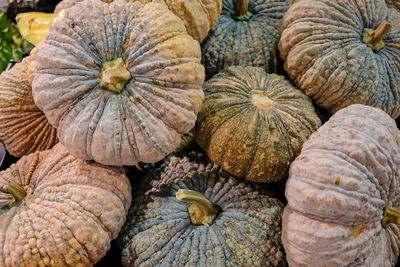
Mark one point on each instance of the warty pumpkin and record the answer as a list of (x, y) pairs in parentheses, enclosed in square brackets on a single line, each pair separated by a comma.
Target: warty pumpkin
[(253, 124), (195, 214), (120, 82), (394, 4), (23, 126), (56, 210), (247, 33), (344, 52), (343, 192)]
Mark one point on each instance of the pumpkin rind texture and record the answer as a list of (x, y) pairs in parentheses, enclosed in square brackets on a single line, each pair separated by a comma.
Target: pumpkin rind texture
[(23, 126), (252, 42), (71, 212), (159, 232), (393, 3), (163, 77), (347, 173), (326, 56), (253, 124)]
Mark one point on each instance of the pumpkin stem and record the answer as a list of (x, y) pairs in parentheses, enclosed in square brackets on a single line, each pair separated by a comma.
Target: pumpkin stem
[(17, 191), (201, 210), (374, 38), (242, 10), (114, 75), (261, 100), (391, 215)]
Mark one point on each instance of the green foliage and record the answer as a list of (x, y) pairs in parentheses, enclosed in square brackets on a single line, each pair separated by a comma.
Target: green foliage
[(12, 46)]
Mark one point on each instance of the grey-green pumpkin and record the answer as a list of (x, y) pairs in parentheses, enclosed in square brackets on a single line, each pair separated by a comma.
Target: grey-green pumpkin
[(344, 52), (195, 214), (253, 124)]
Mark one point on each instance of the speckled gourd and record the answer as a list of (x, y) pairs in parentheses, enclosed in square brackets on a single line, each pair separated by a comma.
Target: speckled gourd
[(253, 124), (56, 210), (343, 192), (121, 81), (195, 214), (198, 15), (23, 126), (344, 52), (247, 33)]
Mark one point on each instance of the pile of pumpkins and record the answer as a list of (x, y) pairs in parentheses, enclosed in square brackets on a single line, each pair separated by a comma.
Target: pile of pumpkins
[(215, 101)]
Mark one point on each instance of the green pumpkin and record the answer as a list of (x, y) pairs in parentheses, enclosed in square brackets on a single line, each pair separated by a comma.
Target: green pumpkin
[(195, 214), (247, 33), (253, 124)]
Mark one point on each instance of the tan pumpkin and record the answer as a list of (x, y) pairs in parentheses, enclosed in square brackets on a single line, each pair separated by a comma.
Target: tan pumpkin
[(56, 210), (23, 126), (393, 3), (342, 191), (253, 124), (121, 81), (344, 52), (199, 15)]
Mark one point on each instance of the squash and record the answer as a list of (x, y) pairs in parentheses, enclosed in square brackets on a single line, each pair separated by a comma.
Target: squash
[(394, 4), (344, 52), (247, 33), (343, 192), (57, 210), (23, 126), (253, 124), (198, 15), (195, 214), (120, 82)]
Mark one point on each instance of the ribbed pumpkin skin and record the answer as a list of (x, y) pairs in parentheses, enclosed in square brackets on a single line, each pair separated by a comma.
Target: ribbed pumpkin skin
[(338, 187), (144, 122), (23, 126), (72, 211), (159, 232), (198, 15), (393, 3), (245, 138), (249, 43), (325, 56)]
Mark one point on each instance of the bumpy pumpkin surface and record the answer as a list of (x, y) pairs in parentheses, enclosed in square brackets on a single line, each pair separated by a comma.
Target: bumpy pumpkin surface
[(253, 124), (23, 126), (243, 224), (394, 3), (344, 52), (120, 82), (65, 4), (57, 210), (339, 193), (247, 33)]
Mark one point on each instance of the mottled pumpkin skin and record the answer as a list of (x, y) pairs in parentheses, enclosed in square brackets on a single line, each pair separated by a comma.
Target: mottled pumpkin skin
[(394, 4), (71, 213), (253, 124), (159, 232), (250, 43), (144, 122), (198, 15), (338, 187), (325, 56), (23, 126)]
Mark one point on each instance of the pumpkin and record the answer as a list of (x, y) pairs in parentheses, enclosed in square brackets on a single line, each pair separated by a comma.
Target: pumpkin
[(198, 15), (120, 82), (253, 124), (23, 126), (195, 214), (393, 3), (343, 191), (344, 52), (57, 210), (247, 33)]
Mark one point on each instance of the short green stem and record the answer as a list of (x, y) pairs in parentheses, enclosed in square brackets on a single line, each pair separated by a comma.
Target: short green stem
[(374, 38), (242, 10), (201, 210), (17, 191), (391, 215), (114, 75)]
